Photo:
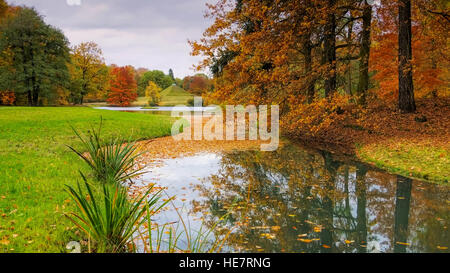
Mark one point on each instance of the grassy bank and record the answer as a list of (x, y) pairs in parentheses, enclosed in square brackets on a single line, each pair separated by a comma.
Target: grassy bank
[(35, 165), (423, 160)]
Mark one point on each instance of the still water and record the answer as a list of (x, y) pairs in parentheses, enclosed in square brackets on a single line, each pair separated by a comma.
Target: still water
[(295, 200), (299, 200)]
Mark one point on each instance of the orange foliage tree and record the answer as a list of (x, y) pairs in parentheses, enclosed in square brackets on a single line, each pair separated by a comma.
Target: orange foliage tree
[(123, 88), (429, 44), (197, 85), (272, 51)]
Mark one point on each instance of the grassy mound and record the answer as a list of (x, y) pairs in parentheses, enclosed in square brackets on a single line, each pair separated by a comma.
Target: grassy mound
[(175, 95)]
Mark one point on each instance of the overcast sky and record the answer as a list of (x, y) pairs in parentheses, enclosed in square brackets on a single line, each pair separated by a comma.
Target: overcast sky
[(142, 33)]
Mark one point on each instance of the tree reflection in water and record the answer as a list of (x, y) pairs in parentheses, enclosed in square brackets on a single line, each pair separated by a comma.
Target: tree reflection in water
[(295, 201)]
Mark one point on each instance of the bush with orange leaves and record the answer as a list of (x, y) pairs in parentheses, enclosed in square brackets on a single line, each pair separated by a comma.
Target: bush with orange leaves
[(7, 98)]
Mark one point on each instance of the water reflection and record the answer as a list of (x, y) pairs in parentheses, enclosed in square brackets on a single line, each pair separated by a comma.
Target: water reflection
[(295, 200)]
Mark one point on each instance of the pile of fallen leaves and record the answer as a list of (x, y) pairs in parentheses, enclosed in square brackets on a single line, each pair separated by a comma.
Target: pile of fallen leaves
[(342, 126)]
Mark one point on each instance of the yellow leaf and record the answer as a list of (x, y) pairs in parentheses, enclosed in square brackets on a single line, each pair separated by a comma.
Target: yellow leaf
[(4, 242), (305, 240), (276, 228)]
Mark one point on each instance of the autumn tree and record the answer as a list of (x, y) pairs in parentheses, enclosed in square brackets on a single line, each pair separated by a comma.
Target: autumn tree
[(3, 8), (406, 99), (197, 85), (89, 73), (123, 87), (34, 55), (299, 52), (153, 93)]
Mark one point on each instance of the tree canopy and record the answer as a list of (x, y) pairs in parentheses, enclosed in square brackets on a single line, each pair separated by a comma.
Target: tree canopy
[(34, 56), (156, 76), (88, 71)]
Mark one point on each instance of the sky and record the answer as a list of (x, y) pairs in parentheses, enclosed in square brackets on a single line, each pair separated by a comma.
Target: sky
[(143, 33)]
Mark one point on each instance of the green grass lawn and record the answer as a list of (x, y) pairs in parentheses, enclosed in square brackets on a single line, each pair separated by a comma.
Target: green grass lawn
[(35, 165)]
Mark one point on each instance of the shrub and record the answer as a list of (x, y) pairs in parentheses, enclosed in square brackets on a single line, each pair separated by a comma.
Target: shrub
[(111, 161), (109, 218)]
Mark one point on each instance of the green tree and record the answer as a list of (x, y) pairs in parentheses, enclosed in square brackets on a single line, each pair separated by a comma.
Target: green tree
[(153, 93), (156, 76), (171, 75), (88, 71), (36, 56)]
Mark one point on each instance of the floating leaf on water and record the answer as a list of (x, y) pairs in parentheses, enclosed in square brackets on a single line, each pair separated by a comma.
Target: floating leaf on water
[(276, 228), (318, 229), (307, 241)]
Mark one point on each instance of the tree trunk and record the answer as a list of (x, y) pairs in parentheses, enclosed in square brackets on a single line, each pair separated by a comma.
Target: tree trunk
[(330, 49), (30, 98), (363, 84), (349, 62), (406, 100), (36, 98), (35, 92)]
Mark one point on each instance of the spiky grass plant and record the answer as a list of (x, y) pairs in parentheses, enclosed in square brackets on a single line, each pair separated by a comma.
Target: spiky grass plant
[(111, 161), (110, 218)]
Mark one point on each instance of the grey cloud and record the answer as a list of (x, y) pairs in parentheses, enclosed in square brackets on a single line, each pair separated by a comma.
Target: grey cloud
[(143, 33)]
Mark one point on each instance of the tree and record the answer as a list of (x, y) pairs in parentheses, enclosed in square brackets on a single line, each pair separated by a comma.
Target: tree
[(88, 71), (139, 73), (34, 55), (156, 76), (406, 99), (152, 92), (123, 88), (197, 85), (171, 75)]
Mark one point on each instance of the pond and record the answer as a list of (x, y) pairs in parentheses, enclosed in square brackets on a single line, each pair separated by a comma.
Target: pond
[(294, 201), (299, 200), (160, 110)]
